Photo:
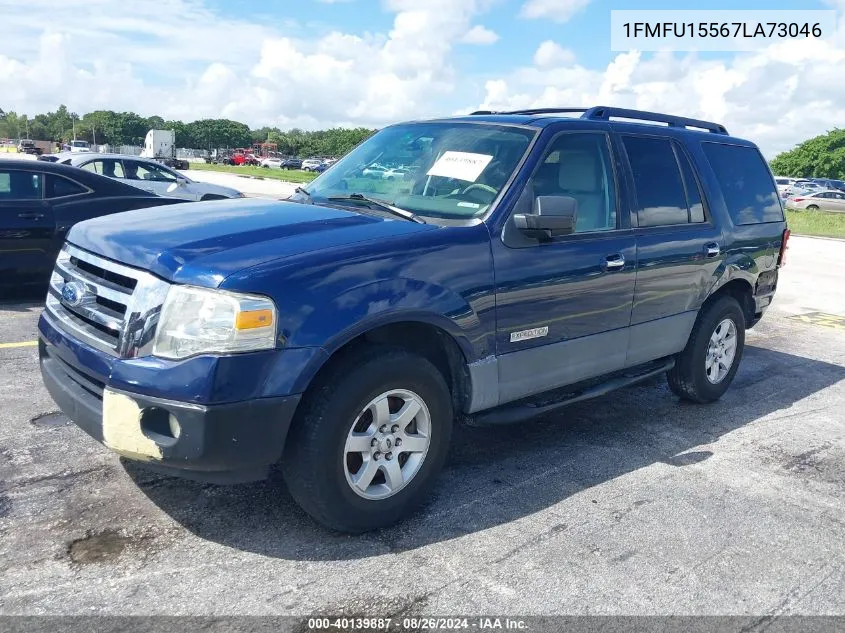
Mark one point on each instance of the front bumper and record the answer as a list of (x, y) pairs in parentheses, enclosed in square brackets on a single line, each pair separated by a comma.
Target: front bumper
[(223, 443)]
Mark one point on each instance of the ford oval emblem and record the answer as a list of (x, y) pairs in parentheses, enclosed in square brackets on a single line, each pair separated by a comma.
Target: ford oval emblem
[(73, 293)]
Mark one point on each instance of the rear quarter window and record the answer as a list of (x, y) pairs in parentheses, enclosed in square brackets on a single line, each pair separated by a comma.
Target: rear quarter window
[(746, 182)]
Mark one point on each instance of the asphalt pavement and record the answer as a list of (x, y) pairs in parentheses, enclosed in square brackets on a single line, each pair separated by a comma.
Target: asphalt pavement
[(634, 503)]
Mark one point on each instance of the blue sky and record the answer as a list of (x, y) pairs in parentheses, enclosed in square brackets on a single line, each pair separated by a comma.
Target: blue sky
[(314, 63)]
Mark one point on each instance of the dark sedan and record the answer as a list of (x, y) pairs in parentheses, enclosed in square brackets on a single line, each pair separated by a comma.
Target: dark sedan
[(291, 163), (40, 201)]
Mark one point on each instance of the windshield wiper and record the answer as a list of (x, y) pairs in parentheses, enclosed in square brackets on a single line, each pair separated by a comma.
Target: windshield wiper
[(402, 213), (302, 191)]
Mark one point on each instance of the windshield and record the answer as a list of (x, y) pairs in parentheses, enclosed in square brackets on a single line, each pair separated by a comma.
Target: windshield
[(79, 144), (446, 169)]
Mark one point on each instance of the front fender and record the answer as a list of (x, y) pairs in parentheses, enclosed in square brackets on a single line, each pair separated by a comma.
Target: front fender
[(383, 303)]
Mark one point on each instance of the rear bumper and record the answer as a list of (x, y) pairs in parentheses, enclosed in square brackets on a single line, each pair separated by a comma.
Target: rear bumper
[(222, 443)]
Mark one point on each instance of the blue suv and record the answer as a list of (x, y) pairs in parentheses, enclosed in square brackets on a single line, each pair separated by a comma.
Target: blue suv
[(525, 261)]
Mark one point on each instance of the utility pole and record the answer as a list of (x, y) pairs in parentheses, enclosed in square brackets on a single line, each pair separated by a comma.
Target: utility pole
[(73, 125)]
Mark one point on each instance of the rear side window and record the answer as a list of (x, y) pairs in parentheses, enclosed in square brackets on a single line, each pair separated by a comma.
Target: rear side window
[(747, 185), (666, 189), (111, 168), (58, 187)]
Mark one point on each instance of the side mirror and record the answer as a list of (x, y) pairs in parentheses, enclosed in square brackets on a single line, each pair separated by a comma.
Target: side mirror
[(552, 216)]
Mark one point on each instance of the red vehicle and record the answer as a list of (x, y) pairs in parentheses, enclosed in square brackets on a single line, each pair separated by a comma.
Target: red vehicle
[(243, 156)]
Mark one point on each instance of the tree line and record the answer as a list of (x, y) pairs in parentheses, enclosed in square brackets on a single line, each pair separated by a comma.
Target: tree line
[(106, 127), (819, 157)]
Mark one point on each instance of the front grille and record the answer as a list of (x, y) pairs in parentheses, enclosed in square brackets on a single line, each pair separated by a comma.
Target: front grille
[(107, 305)]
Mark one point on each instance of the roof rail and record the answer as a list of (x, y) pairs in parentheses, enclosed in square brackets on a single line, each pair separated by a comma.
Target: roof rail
[(603, 113), (533, 111)]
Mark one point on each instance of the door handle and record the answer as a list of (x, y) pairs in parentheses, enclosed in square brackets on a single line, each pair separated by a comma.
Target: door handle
[(30, 216), (614, 262), (712, 249)]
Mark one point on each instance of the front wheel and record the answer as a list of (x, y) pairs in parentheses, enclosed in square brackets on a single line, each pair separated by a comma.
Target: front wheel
[(370, 440), (708, 364)]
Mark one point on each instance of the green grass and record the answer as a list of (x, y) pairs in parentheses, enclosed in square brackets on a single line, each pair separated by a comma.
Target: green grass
[(816, 223), (288, 175)]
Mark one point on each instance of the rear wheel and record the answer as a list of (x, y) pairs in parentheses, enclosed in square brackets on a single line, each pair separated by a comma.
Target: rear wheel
[(370, 440), (708, 364), (812, 207)]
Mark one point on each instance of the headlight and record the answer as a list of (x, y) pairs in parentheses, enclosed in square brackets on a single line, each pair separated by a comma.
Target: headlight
[(198, 321)]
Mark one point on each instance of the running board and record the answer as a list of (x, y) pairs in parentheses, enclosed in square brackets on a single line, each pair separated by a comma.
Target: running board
[(519, 412)]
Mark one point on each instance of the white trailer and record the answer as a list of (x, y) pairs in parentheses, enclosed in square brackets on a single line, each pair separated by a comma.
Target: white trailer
[(161, 146)]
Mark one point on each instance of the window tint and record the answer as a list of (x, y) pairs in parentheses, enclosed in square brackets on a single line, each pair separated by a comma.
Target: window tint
[(746, 183), (110, 167), (147, 171), (57, 186), (20, 185), (578, 165), (657, 181), (694, 201)]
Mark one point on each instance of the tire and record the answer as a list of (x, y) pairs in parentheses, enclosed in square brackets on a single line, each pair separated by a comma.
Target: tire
[(317, 465), (212, 196), (688, 379), (813, 207)]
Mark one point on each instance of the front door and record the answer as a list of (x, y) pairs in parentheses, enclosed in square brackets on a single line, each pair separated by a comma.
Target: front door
[(26, 228), (563, 306), (155, 179)]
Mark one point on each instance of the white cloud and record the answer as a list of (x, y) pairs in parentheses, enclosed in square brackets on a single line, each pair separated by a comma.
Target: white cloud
[(555, 10), (776, 97), (550, 54), (480, 35), (101, 54)]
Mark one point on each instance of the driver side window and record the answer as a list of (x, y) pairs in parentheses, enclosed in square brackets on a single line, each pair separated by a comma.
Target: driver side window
[(578, 165)]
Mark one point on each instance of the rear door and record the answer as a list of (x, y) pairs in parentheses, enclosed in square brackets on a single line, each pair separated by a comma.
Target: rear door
[(679, 247), (26, 228)]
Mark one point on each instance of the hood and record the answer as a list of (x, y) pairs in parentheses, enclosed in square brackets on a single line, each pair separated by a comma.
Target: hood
[(217, 189), (202, 243)]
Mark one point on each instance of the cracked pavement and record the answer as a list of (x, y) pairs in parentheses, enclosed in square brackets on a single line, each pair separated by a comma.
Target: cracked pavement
[(634, 503)]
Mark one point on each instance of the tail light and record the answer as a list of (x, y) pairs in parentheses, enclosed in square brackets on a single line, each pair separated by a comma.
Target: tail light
[(783, 247), (798, 199)]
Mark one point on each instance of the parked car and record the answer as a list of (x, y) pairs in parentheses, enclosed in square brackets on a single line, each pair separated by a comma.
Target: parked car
[(150, 175), (374, 171), (831, 200), (40, 201), (271, 163), (291, 163), (784, 183), (830, 184), (311, 164), (534, 262), (397, 173), (78, 147), (807, 185)]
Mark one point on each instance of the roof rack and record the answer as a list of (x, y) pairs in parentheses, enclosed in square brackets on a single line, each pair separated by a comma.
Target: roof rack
[(535, 111), (604, 113)]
